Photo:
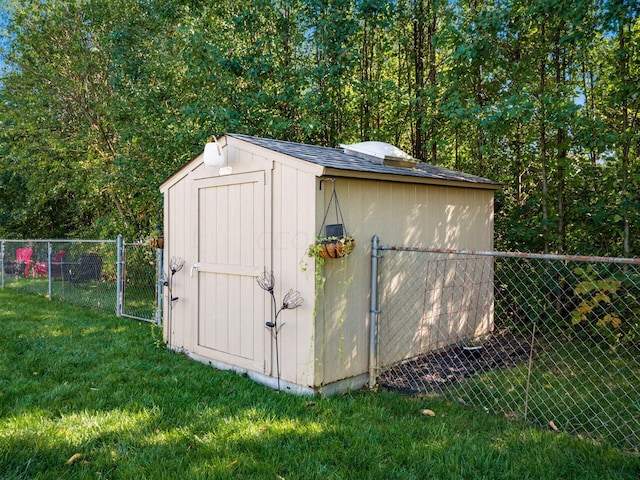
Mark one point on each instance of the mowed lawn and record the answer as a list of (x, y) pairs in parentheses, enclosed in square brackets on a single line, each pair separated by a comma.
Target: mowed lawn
[(84, 394)]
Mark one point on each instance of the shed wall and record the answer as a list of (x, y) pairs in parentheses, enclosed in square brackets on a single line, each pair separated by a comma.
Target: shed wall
[(177, 224), (325, 340), (293, 231), (400, 214), (291, 223)]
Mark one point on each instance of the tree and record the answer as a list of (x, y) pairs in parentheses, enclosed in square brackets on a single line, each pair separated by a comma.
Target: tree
[(108, 98)]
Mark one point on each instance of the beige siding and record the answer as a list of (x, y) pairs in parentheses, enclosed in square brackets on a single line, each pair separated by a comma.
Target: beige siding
[(293, 226), (177, 239), (443, 299), (400, 214)]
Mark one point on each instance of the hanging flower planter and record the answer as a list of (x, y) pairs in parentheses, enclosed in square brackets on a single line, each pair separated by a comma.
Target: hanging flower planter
[(336, 242), (156, 239), (334, 247)]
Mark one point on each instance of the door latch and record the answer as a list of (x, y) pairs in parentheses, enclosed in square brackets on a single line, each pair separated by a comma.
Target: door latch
[(193, 267)]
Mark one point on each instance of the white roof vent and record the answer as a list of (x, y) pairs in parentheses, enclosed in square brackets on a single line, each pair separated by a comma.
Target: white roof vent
[(381, 153)]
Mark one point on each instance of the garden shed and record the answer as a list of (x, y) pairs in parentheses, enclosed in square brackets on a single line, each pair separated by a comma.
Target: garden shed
[(257, 207)]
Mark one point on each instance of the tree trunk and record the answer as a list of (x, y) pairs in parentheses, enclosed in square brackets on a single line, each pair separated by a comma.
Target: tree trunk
[(561, 137), (431, 43), (543, 148), (626, 140), (418, 69)]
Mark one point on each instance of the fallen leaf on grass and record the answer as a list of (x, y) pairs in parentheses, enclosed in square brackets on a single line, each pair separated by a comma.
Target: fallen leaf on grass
[(431, 413), (553, 426), (75, 457)]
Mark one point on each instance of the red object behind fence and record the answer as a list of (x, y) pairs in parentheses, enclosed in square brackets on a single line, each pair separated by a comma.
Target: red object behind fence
[(23, 255)]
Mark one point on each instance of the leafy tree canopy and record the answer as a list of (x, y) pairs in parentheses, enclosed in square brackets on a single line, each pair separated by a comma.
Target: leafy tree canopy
[(101, 100)]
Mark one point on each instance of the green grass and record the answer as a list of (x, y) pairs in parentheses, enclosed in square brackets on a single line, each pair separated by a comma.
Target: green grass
[(592, 392), (76, 381), (139, 300)]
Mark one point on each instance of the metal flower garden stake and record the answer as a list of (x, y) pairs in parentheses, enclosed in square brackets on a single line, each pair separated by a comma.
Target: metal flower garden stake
[(291, 300), (175, 265)]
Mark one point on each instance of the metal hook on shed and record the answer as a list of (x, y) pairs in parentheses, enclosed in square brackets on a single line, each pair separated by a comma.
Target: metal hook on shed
[(333, 181), (337, 229)]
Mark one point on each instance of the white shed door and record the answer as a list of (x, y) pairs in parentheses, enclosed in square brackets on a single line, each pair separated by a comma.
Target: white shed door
[(231, 252)]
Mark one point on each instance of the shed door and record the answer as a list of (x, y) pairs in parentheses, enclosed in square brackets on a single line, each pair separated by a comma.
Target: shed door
[(231, 253)]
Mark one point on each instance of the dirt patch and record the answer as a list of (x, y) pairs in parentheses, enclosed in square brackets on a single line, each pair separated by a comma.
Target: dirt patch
[(438, 370)]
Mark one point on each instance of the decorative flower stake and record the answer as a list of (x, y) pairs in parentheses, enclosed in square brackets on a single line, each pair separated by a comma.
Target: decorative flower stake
[(175, 265), (266, 281), (291, 300)]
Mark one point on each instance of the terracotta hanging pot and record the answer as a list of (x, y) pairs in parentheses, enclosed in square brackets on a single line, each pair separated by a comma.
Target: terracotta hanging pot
[(336, 248), (156, 242), (336, 242)]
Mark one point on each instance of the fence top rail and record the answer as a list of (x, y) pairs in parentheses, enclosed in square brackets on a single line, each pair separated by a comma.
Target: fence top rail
[(534, 256), (55, 240)]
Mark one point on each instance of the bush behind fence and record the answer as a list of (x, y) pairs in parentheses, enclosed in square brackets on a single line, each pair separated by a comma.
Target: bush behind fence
[(109, 275), (550, 340)]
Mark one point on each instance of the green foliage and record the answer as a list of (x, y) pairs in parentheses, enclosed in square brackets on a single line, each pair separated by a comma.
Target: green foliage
[(109, 98), (604, 306)]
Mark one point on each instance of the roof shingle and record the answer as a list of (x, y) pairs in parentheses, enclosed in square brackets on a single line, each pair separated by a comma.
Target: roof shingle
[(336, 158)]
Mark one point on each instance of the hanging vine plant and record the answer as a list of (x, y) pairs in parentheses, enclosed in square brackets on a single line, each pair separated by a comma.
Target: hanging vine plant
[(335, 242)]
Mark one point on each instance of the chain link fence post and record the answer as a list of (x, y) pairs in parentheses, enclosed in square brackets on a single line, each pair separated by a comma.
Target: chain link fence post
[(49, 279), (373, 313), (160, 285), (119, 289)]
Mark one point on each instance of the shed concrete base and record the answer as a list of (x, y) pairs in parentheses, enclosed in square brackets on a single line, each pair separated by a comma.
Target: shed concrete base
[(341, 386)]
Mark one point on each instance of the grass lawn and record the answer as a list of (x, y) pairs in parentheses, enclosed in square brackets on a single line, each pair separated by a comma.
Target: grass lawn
[(84, 394), (593, 392), (138, 301)]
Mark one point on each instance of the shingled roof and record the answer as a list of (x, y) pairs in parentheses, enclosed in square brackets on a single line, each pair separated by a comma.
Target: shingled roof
[(338, 159)]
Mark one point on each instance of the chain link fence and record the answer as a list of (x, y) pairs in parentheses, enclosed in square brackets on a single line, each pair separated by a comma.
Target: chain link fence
[(142, 282), (103, 274), (550, 340)]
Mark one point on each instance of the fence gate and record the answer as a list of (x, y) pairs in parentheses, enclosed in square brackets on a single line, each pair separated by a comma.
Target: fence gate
[(141, 287), (551, 340)]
